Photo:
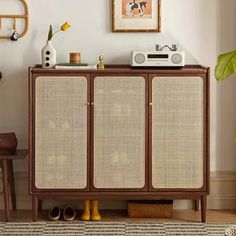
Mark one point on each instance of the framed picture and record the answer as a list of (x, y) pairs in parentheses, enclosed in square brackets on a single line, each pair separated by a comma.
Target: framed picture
[(136, 15)]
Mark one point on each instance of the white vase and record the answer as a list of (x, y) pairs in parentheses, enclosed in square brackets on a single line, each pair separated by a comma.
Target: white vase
[(48, 56)]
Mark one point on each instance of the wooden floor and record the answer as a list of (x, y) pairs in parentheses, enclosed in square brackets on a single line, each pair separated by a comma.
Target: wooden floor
[(213, 216)]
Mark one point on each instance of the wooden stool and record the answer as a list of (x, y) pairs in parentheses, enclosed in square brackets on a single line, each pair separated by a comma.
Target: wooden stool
[(8, 177)]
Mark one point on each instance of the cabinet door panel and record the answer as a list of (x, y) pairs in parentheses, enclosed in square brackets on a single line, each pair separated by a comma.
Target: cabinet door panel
[(61, 132), (177, 132), (119, 132)]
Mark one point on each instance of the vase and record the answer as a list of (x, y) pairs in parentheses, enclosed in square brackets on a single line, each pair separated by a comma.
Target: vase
[(48, 56)]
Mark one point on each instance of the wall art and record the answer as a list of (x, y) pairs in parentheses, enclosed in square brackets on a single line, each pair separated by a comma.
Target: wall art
[(136, 15)]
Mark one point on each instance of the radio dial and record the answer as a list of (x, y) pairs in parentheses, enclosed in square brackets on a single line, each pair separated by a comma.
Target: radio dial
[(176, 58), (140, 58)]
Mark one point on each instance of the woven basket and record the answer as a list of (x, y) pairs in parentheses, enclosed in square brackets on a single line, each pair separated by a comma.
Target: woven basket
[(152, 209)]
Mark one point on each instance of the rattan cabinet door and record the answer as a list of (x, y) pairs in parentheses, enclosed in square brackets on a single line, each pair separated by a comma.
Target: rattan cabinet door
[(119, 132), (177, 132), (61, 132)]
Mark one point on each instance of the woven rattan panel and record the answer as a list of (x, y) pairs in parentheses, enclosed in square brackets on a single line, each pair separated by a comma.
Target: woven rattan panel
[(61, 132), (119, 132), (177, 132)]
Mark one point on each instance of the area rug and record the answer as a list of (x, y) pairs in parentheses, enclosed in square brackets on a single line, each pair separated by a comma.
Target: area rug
[(111, 229)]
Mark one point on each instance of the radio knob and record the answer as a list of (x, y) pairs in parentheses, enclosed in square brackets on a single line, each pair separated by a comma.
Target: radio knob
[(139, 58), (176, 58)]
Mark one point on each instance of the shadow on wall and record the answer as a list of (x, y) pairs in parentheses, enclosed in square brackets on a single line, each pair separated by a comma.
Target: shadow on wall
[(226, 95), (14, 90)]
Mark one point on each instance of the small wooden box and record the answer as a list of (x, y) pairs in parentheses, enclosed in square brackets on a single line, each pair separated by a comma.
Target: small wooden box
[(150, 209)]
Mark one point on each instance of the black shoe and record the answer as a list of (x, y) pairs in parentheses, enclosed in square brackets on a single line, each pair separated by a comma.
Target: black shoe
[(54, 213), (69, 214)]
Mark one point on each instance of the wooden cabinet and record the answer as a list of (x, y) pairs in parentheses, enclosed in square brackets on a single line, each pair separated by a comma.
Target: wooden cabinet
[(119, 133)]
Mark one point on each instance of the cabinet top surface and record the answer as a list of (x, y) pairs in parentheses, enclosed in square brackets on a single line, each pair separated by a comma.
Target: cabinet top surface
[(124, 69)]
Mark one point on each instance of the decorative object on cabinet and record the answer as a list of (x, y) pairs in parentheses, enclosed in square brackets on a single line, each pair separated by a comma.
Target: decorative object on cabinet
[(15, 17), (173, 47), (101, 65), (82, 66), (157, 58), (132, 134), (136, 15), (48, 52), (75, 58), (48, 56), (64, 27)]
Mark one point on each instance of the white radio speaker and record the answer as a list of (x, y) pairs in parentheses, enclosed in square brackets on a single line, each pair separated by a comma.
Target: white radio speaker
[(157, 59)]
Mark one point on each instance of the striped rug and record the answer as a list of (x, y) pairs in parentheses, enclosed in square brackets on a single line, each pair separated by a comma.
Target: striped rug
[(111, 229)]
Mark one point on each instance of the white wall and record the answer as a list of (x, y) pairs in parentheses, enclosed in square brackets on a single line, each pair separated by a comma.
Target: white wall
[(225, 158), (199, 27)]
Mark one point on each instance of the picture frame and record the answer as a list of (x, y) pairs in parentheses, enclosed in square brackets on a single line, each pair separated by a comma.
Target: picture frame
[(136, 15)]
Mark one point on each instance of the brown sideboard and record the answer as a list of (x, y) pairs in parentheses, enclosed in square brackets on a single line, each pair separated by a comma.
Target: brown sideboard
[(119, 133)]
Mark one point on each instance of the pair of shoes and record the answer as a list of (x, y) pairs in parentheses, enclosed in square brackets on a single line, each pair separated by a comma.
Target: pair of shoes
[(68, 214), (94, 215)]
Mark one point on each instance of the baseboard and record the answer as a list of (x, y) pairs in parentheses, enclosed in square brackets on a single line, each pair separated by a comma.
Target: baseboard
[(222, 194), (222, 190)]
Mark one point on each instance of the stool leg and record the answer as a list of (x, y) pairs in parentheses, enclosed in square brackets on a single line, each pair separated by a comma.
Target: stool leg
[(5, 188), (12, 184)]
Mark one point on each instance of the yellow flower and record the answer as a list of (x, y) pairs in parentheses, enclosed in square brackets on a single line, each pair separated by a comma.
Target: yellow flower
[(65, 26)]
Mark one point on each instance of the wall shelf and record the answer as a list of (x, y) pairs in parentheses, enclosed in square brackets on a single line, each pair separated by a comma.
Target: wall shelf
[(24, 16)]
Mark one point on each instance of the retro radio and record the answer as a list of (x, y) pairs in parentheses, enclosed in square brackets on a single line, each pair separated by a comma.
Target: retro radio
[(159, 58)]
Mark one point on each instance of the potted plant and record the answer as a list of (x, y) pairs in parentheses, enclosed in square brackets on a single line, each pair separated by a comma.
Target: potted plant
[(226, 65)]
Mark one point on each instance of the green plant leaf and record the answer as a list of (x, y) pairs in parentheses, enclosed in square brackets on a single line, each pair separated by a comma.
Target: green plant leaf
[(226, 65), (50, 33)]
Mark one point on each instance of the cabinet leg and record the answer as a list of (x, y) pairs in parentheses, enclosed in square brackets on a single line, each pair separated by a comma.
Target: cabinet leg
[(35, 207), (12, 185), (40, 205), (203, 208), (196, 205)]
